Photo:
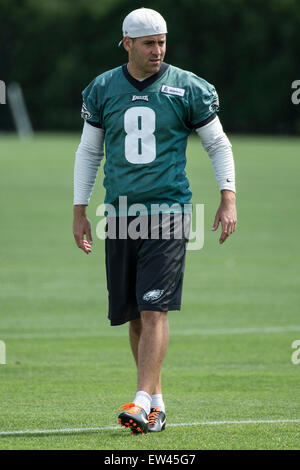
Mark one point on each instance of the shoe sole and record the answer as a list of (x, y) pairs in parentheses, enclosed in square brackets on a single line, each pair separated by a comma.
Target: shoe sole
[(135, 426)]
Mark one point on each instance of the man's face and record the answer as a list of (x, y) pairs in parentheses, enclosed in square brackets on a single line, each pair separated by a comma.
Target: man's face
[(146, 53)]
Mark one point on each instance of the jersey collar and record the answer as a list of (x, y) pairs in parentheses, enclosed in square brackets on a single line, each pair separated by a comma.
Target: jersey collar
[(148, 81)]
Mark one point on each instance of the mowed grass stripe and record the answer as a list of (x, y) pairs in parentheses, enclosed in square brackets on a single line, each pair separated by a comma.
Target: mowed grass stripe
[(174, 425), (197, 331)]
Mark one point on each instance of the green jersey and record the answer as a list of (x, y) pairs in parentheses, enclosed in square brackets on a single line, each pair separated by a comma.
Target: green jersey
[(147, 124)]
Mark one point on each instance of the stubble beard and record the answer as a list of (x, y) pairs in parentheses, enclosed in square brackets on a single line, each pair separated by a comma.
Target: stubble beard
[(145, 67)]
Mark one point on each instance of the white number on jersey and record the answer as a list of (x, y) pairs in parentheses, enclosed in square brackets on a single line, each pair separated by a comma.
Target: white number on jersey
[(140, 142)]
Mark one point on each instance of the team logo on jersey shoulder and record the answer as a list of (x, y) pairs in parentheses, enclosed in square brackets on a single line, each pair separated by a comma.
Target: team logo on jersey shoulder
[(171, 90), (85, 114), (215, 102), (143, 98), (152, 295)]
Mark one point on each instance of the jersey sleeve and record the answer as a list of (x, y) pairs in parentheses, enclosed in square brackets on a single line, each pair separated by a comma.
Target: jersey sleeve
[(90, 110), (203, 102)]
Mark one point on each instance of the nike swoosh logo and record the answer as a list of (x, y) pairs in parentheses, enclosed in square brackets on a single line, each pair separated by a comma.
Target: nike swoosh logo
[(229, 181)]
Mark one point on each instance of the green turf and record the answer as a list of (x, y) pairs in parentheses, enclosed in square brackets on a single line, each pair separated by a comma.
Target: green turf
[(67, 368)]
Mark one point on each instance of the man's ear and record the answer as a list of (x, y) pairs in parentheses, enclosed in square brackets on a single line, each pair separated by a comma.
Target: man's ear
[(127, 43)]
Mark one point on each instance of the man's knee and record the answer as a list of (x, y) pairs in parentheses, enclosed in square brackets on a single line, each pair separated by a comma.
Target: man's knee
[(153, 318)]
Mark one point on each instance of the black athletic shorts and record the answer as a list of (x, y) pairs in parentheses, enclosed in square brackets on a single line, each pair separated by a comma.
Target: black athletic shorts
[(145, 270)]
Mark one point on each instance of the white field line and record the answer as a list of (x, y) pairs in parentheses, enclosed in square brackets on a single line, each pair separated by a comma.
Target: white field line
[(182, 332), (28, 432)]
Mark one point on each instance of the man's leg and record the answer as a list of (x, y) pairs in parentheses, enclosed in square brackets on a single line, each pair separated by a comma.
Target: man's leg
[(135, 329), (146, 329), (152, 348), (149, 338)]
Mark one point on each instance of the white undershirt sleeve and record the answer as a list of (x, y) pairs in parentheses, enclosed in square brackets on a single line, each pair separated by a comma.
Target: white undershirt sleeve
[(218, 147), (87, 161)]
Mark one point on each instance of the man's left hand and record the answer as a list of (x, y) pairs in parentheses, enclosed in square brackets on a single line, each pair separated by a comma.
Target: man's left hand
[(226, 214)]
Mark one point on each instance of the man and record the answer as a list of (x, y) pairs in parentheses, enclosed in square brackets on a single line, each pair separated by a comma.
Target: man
[(145, 111)]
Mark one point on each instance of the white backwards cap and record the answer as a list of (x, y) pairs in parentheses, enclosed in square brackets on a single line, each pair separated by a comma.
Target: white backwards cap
[(143, 22)]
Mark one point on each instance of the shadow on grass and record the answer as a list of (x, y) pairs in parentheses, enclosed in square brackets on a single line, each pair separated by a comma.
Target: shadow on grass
[(114, 434)]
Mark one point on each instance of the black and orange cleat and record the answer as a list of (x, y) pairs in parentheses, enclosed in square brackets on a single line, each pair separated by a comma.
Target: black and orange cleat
[(135, 418), (157, 420)]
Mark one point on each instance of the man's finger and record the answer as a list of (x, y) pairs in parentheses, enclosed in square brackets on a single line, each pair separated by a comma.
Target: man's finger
[(230, 228), (216, 223), (87, 247), (82, 244), (225, 232), (89, 235), (78, 240), (223, 237)]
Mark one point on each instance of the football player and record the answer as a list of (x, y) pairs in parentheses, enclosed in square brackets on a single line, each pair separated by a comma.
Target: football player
[(144, 112)]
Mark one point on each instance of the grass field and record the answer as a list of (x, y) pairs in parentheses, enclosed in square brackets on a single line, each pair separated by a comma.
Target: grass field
[(228, 379)]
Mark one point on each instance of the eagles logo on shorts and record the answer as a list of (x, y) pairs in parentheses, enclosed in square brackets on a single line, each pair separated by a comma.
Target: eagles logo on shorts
[(152, 295), (85, 114)]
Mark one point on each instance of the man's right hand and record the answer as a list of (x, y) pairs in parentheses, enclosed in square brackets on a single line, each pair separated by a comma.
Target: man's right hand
[(81, 228)]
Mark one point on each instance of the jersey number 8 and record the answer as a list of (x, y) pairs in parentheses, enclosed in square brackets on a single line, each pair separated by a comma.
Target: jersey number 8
[(140, 142)]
